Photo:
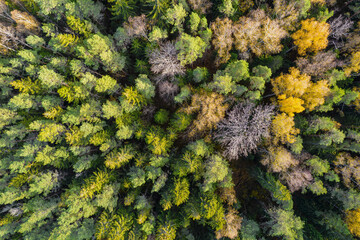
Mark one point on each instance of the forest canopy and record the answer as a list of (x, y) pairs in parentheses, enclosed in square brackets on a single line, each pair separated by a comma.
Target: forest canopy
[(179, 120)]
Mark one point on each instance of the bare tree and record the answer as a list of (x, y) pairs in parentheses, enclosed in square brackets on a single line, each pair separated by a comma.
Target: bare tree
[(200, 5), (136, 26), (242, 130), (167, 91), (318, 64), (297, 179), (164, 61), (340, 26)]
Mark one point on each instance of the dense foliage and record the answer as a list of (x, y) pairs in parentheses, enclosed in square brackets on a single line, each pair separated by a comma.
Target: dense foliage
[(189, 119)]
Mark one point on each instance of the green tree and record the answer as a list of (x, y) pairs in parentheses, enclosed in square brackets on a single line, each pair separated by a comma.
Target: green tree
[(190, 49)]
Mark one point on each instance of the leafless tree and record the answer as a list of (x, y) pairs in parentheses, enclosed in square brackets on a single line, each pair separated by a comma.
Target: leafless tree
[(318, 64), (297, 178), (167, 91), (201, 5), (164, 61), (148, 112), (136, 26), (242, 130), (339, 27)]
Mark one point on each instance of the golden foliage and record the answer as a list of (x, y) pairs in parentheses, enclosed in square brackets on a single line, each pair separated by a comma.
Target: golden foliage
[(296, 92), (210, 109), (354, 65), (318, 1), (315, 94), (290, 105), (349, 168), (283, 129), (222, 38), (232, 225), (228, 195), (279, 159), (352, 220), (293, 84), (312, 36), (25, 20)]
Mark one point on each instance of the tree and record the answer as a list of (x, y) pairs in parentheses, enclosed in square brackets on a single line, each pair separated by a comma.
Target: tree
[(201, 6), (243, 129), (166, 231), (136, 26), (216, 170), (176, 17), (279, 193), (288, 12), (354, 64), (227, 8), (283, 223), (232, 225), (316, 94), (190, 49), (339, 27), (181, 191), (293, 84), (100, 47), (298, 178), (353, 221), (238, 70), (223, 84), (283, 129), (290, 105), (210, 112), (319, 64), (312, 36), (194, 22), (49, 78), (279, 159), (94, 184), (106, 84), (258, 33), (122, 8), (222, 38), (118, 158), (164, 61), (114, 226), (349, 168), (296, 92), (168, 91), (158, 8)]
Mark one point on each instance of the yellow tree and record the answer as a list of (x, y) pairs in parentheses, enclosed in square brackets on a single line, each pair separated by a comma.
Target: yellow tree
[(279, 159), (312, 36), (283, 129), (354, 64), (296, 92), (290, 105), (293, 84), (210, 109), (315, 94), (353, 221)]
